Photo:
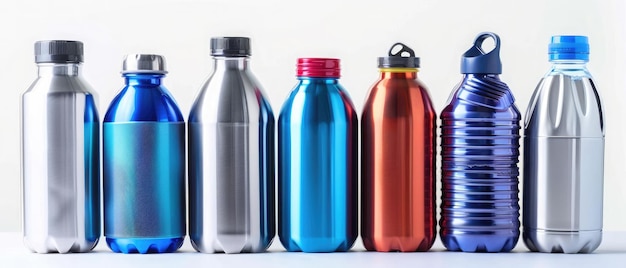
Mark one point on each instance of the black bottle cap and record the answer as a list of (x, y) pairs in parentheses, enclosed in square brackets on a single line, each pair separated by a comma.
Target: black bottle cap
[(230, 46), (398, 59), (58, 51)]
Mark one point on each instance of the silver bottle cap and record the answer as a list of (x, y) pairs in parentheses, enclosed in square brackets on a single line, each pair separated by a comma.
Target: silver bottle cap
[(144, 63)]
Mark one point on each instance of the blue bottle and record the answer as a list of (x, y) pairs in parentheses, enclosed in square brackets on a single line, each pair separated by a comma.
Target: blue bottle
[(480, 153), (317, 162), (144, 162)]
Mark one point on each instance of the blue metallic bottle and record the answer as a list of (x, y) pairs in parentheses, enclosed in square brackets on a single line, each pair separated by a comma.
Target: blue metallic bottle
[(317, 162), (480, 152), (144, 163)]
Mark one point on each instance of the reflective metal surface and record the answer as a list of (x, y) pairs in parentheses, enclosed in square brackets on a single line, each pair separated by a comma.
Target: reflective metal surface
[(231, 162), (480, 151), (398, 164), (564, 164), (60, 162), (144, 63), (143, 168), (317, 163)]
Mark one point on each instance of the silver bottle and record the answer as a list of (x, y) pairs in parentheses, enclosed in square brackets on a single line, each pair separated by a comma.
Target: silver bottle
[(231, 157), (60, 154), (564, 155)]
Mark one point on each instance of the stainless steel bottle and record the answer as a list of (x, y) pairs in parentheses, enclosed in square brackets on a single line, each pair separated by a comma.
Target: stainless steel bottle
[(564, 155), (231, 156), (60, 154)]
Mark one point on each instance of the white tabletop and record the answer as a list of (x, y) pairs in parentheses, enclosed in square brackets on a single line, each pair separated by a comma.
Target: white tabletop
[(612, 253)]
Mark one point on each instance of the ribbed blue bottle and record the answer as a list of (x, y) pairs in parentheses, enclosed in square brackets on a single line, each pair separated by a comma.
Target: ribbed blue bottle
[(317, 162), (144, 162), (480, 153)]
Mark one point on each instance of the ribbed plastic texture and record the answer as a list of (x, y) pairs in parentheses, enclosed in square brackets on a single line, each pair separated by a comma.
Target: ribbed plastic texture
[(480, 152)]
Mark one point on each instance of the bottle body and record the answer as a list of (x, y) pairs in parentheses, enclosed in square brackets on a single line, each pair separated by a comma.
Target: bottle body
[(317, 139), (231, 162), (143, 168), (60, 162), (563, 163), (398, 165), (480, 152)]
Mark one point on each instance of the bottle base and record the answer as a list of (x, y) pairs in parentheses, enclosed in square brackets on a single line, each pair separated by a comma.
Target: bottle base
[(230, 244), (401, 244), (480, 242), (317, 245), (145, 245), (568, 242), (52, 244)]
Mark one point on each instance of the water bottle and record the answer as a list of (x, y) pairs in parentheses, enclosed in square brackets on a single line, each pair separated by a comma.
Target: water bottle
[(480, 153), (317, 162), (564, 155), (60, 153), (144, 162), (231, 156), (398, 158)]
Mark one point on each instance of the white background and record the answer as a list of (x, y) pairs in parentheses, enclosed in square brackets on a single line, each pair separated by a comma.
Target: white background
[(355, 31)]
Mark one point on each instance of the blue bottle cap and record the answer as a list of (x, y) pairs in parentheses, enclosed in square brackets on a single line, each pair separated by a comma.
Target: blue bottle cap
[(569, 47), (477, 61)]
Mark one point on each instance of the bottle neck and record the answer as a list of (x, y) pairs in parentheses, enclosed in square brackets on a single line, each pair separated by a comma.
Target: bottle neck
[(398, 73), (143, 78), (569, 64), (482, 76), (58, 69), (231, 63), (318, 80), (570, 67)]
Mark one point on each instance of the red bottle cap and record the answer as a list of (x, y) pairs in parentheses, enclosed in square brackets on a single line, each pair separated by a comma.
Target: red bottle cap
[(318, 67)]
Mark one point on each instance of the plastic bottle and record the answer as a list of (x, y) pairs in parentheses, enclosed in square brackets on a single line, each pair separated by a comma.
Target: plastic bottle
[(231, 156), (317, 162), (60, 153), (564, 155), (144, 162), (480, 152), (398, 141)]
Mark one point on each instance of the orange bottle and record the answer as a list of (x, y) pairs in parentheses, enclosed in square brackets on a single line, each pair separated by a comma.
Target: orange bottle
[(398, 158)]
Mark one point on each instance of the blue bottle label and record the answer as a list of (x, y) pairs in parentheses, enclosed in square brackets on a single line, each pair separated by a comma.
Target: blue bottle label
[(144, 179)]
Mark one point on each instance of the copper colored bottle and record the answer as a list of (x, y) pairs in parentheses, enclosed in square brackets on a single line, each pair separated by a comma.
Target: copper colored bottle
[(398, 158)]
